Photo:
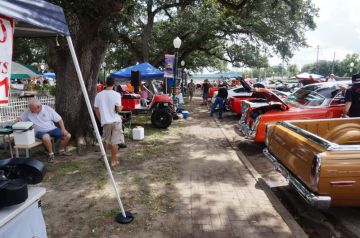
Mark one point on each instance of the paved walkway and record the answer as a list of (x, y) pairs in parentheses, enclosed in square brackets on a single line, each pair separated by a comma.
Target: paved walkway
[(220, 196)]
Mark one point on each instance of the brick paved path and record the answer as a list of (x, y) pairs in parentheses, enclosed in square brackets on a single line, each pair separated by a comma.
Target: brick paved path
[(220, 197)]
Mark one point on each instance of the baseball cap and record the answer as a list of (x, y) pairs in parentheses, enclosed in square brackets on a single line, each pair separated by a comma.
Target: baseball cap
[(355, 78)]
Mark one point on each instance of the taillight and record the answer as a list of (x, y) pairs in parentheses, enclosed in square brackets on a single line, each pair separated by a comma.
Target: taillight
[(315, 172)]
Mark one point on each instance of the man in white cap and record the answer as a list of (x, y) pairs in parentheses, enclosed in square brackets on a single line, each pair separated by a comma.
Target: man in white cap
[(332, 78)]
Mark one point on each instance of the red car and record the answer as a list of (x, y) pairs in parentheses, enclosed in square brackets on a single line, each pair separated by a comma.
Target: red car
[(315, 101), (246, 92)]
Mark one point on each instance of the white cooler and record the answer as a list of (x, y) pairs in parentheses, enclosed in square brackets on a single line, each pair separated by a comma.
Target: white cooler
[(138, 133), (24, 133)]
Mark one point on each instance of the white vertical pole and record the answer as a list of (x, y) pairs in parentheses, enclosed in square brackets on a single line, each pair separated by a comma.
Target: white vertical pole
[(98, 137)]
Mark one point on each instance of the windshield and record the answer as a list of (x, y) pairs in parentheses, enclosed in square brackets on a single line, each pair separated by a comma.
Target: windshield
[(312, 95)]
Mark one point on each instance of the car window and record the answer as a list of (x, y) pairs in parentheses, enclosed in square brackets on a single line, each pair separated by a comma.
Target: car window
[(305, 97), (328, 92), (239, 90)]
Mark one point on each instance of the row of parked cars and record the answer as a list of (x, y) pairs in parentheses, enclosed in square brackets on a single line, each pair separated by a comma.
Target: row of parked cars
[(306, 139)]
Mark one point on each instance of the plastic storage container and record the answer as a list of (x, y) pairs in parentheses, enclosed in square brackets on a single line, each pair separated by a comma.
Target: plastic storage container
[(24, 133), (138, 133), (185, 114)]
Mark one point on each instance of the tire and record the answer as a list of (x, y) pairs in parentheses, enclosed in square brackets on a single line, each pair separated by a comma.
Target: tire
[(226, 105), (161, 118)]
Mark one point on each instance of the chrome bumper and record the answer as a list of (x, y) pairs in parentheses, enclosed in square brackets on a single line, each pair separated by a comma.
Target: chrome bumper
[(321, 202), (246, 130)]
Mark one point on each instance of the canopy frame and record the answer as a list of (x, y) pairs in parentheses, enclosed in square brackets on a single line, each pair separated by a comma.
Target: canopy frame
[(29, 13)]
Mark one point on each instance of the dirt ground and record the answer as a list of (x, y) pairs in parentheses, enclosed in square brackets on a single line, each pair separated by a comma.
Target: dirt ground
[(80, 201)]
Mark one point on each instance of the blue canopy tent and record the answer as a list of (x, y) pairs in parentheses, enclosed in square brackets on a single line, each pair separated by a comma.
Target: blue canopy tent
[(42, 19), (147, 71)]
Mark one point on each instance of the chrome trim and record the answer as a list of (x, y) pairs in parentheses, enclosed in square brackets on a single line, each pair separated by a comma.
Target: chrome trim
[(246, 130), (256, 124), (316, 176), (317, 139), (321, 202), (321, 141)]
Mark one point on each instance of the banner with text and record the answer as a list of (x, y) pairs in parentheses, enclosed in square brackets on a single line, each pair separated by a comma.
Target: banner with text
[(169, 64), (6, 46)]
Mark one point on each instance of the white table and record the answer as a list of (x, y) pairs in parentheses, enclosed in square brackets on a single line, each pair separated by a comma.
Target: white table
[(24, 219)]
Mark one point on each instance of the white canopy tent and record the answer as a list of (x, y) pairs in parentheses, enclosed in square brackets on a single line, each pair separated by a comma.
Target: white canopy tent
[(307, 76), (43, 19)]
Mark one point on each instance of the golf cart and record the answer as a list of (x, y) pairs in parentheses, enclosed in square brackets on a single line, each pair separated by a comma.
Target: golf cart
[(159, 105)]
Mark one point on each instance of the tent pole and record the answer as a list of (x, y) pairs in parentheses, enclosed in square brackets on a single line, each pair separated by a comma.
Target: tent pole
[(126, 216)]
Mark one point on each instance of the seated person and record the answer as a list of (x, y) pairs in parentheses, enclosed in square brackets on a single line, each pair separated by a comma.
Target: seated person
[(44, 118), (144, 96), (179, 100)]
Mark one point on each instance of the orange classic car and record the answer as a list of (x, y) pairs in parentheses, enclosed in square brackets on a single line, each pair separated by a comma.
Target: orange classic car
[(320, 158), (315, 101)]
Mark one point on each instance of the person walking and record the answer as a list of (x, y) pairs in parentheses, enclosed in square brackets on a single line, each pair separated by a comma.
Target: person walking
[(205, 88), (219, 100), (191, 90), (107, 105), (352, 98)]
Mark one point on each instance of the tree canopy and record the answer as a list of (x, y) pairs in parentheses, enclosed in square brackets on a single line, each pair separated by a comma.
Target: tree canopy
[(240, 32), (345, 67)]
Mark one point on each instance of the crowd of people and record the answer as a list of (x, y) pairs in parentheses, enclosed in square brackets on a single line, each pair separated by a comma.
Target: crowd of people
[(49, 124)]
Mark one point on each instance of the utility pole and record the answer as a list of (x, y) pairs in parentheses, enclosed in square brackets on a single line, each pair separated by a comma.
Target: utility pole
[(332, 67), (317, 59)]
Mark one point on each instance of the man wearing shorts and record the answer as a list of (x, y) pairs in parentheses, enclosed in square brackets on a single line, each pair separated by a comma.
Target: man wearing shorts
[(191, 89), (107, 105), (44, 118)]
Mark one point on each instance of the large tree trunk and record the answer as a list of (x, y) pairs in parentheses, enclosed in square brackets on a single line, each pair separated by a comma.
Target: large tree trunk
[(70, 103), (90, 50)]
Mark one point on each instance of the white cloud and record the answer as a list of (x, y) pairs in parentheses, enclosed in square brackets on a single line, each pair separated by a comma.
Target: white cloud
[(338, 30)]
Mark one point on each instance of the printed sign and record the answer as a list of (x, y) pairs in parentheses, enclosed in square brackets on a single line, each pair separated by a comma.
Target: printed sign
[(6, 46), (169, 64)]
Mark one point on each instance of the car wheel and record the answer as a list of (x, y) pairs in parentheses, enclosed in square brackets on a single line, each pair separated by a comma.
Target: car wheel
[(161, 118), (227, 106)]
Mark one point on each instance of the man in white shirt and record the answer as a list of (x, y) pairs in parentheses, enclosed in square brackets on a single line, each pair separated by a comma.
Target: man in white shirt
[(332, 78), (44, 118), (107, 105)]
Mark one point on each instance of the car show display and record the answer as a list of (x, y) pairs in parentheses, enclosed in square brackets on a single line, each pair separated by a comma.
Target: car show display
[(315, 101), (320, 158)]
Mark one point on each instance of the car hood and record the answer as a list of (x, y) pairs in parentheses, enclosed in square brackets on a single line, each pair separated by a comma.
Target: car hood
[(270, 96)]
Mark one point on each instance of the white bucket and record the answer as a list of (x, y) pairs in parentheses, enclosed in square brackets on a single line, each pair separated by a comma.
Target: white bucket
[(138, 133)]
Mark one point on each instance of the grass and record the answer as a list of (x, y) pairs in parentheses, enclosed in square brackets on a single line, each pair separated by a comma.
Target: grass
[(146, 177)]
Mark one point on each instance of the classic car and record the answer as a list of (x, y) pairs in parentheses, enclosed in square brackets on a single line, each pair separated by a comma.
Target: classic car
[(315, 101), (320, 158)]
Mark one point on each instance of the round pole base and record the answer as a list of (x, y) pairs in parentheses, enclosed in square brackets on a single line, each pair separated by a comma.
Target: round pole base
[(124, 220)]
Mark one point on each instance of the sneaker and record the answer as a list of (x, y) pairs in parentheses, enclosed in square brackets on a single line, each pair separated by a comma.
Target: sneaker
[(51, 158), (64, 153), (122, 146)]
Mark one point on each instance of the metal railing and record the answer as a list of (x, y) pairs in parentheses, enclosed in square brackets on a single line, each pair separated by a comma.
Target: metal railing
[(10, 112)]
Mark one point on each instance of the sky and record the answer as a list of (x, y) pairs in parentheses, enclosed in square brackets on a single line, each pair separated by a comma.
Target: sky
[(338, 30)]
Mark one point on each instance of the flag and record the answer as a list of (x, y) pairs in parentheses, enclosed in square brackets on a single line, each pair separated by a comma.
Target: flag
[(6, 46), (169, 65)]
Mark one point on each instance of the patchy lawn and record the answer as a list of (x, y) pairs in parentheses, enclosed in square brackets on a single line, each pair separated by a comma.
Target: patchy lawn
[(80, 200)]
